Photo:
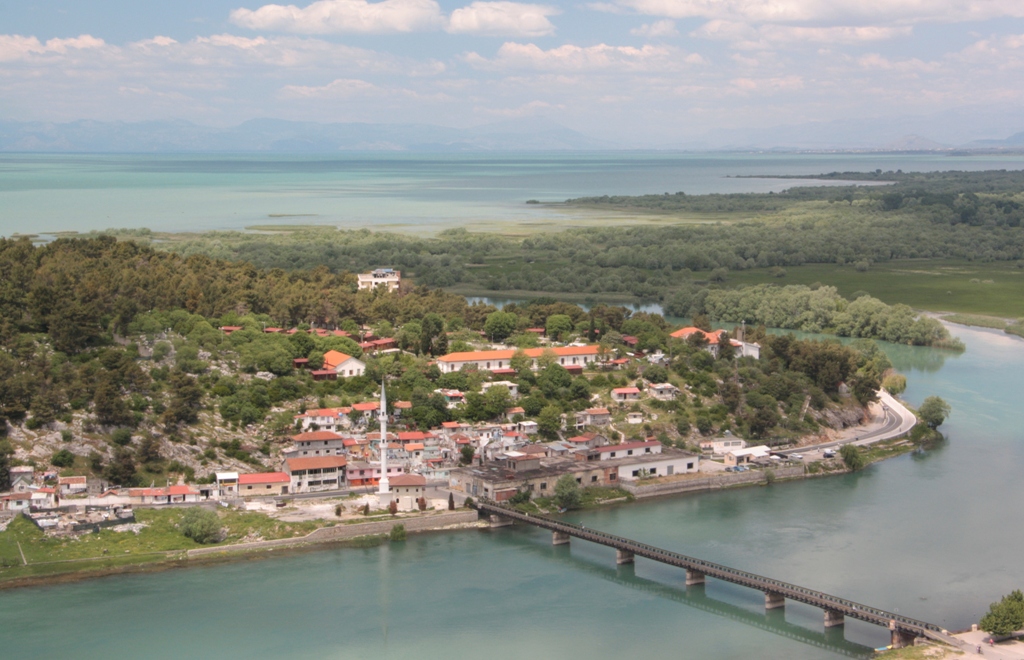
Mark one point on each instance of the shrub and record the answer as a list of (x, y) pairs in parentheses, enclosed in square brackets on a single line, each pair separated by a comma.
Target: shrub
[(201, 525), (66, 436), (397, 532), (121, 437), (63, 459), (393, 507), (567, 492), (852, 457)]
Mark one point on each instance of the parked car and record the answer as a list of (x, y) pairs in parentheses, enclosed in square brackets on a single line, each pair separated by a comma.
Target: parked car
[(798, 457), (829, 454)]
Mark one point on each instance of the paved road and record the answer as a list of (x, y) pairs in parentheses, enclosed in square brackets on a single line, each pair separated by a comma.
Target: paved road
[(898, 420)]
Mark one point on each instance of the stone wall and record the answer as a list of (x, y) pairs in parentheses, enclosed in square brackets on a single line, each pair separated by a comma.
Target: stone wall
[(711, 482), (345, 532)]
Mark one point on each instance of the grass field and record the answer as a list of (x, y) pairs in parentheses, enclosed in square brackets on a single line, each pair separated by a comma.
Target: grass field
[(991, 289), (111, 550)]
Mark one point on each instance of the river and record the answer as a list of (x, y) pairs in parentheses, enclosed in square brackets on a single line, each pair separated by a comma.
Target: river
[(936, 536)]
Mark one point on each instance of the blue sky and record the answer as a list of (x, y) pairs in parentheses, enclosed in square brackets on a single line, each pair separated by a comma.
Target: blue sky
[(634, 71)]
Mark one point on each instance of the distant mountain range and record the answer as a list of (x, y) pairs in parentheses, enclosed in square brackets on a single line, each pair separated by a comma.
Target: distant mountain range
[(948, 131), (274, 135)]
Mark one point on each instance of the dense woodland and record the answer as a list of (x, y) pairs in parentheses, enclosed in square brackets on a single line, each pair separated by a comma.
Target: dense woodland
[(956, 215), (117, 347)]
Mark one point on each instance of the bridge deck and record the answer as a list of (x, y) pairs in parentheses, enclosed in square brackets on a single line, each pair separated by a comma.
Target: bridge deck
[(792, 591)]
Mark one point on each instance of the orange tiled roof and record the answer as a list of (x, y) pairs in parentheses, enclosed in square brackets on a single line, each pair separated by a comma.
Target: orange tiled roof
[(315, 463)]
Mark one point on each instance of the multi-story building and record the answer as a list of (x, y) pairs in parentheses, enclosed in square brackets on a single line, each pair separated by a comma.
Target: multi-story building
[(386, 277)]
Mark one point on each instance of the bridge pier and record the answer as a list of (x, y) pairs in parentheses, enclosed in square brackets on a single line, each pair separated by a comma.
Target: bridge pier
[(900, 638), (834, 618), (773, 600), (623, 557), (559, 538), (499, 521), (694, 577)]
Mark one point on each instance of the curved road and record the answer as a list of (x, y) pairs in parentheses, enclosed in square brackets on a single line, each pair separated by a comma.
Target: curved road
[(898, 421)]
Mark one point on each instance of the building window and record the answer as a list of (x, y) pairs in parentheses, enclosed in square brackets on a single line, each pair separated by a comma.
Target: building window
[(579, 480), (636, 473), (654, 470), (629, 452), (612, 476), (613, 455), (670, 469), (689, 466), (593, 479), (543, 485)]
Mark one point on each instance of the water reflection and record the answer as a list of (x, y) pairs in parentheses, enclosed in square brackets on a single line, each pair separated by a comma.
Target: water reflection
[(773, 621)]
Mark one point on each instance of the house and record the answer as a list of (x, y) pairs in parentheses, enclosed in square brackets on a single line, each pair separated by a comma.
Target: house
[(44, 498), (382, 277), (454, 398), (513, 388), (406, 489), (324, 374), (625, 394), (326, 419), (587, 441), (180, 494), (300, 363), (368, 474), (22, 477), (343, 364), (415, 451), (622, 450), (721, 446), (16, 501), (743, 349), (315, 443), (263, 483), (663, 391), (634, 418), (366, 411), (665, 463), (618, 363), (747, 455), (315, 473), (227, 484), (400, 407), (488, 360), (593, 417), (228, 329), (72, 485), (527, 427)]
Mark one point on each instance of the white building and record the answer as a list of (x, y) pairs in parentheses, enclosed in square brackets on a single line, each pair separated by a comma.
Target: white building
[(343, 365), (513, 388), (722, 446), (315, 473), (315, 443), (664, 464), (566, 356), (663, 391), (406, 489), (747, 455), (385, 277)]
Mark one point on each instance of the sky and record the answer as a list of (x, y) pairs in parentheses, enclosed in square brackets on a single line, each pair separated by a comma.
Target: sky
[(633, 71)]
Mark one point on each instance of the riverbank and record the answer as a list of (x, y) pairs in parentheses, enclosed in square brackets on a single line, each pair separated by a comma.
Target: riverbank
[(35, 573)]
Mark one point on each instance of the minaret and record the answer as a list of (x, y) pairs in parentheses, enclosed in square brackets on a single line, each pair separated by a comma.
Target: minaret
[(384, 492)]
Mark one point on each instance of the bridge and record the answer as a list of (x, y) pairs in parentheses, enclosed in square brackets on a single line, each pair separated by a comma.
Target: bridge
[(904, 630)]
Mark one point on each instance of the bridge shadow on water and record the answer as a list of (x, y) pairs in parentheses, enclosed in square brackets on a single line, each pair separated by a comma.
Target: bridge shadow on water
[(773, 621)]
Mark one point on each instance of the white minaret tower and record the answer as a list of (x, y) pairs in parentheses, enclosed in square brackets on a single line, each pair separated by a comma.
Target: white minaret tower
[(384, 492)]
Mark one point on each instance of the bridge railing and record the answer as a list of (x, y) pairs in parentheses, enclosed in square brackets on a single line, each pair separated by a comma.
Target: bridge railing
[(811, 596)]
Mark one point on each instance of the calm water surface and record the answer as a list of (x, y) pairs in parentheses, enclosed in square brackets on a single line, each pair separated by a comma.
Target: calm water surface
[(422, 193), (935, 536)]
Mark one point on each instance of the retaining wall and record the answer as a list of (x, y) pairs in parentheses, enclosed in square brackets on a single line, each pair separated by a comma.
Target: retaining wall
[(712, 482), (345, 532)]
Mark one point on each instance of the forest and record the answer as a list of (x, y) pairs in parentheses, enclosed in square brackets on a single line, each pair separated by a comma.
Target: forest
[(967, 217)]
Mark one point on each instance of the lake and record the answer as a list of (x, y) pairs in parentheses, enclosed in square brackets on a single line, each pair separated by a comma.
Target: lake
[(402, 192), (936, 536)]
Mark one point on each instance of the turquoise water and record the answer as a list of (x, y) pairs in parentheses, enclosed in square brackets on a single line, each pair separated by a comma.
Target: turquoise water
[(935, 536), (45, 192)]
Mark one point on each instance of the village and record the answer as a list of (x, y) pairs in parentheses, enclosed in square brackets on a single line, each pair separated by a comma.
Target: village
[(340, 452)]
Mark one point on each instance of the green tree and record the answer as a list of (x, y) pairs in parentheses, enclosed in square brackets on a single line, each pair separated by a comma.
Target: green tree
[(466, 454), (62, 459), (121, 470), (397, 533), (852, 457), (201, 525), (549, 422), (121, 437), (558, 326), (567, 492), (933, 411), (6, 451), (1006, 616), (500, 325)]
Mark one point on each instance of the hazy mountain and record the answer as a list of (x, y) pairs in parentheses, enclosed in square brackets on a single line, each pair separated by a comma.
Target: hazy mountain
[(274, 135)]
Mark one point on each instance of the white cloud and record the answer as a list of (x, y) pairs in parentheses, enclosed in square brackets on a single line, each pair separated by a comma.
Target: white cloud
[(337, 16), (525, 110), (849, 12), (340, 87), (662, 28), (770, 85), (569, 57), (503, 19), (16, 47), (743, 35)]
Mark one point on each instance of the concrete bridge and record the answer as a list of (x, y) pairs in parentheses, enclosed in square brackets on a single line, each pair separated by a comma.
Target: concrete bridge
[(904, 630)]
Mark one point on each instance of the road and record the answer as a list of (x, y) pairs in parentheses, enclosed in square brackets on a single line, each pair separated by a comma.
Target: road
[(898, 420)]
